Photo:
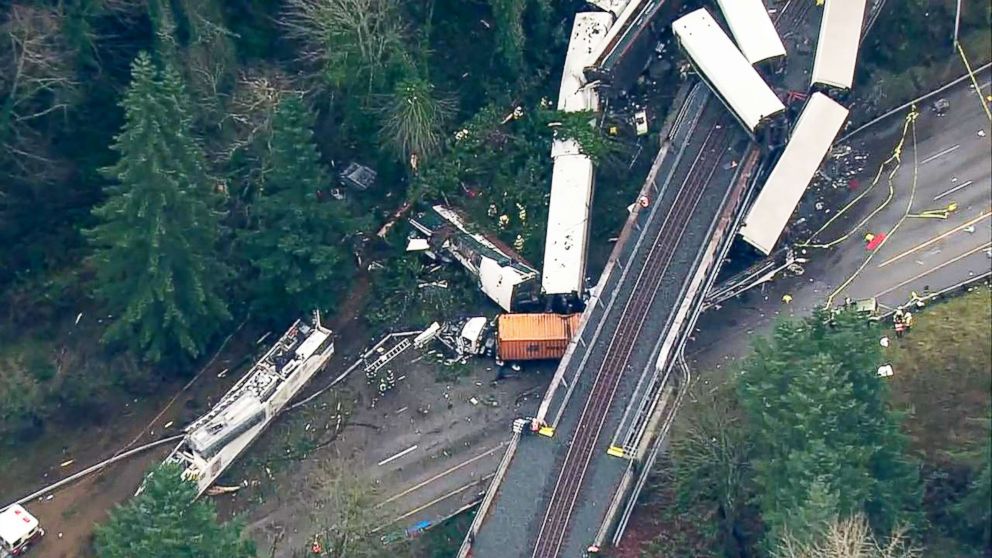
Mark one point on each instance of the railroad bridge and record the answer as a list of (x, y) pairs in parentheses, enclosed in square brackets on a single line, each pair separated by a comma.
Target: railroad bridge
[(613, 397)]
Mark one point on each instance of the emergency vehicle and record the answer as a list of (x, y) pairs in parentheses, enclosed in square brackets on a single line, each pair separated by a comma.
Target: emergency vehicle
[(19, 530)]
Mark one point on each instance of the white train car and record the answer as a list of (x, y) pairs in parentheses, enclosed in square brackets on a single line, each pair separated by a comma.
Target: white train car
[(567, 241), (216, 439), (572, 179), (753, 30), (589, 30), (837, 46), (726, 70), (613, 6), (814, 132)]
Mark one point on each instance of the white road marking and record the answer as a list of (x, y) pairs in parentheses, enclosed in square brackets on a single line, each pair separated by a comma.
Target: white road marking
[(481, 483), (398, 455), (954, 189), (442, 474), (939, 154), (935, 239), (935, 268)]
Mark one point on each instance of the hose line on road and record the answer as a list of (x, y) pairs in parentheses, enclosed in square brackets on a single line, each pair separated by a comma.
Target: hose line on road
[(905, 215), (897, 157), (974, 82)]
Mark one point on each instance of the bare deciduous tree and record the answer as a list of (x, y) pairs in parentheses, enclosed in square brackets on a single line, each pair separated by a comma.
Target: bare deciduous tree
[(350, 514), (36, 82), (248, 117), (848, 538), (347, 41)]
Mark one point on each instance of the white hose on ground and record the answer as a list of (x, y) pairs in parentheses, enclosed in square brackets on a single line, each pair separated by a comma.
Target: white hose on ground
[(92, 469)]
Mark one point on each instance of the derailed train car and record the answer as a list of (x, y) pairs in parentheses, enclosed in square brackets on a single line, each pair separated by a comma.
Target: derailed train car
[(728, 73)]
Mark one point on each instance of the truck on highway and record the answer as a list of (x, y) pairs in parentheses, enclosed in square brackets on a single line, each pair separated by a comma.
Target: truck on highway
[(19, 530)]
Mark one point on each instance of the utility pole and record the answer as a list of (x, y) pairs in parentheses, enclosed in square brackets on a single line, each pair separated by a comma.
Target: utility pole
[(957, 23)]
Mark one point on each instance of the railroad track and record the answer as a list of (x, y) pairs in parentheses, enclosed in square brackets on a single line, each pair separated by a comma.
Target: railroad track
[(554, 526)]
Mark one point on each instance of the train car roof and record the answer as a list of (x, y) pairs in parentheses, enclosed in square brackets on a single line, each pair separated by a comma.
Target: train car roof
[(837, 46), (589, 29), (567, 240), (814, 132), (726, 69), (753, 29)]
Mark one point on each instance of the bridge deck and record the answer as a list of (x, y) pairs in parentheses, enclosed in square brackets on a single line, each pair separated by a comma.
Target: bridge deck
[(688, 195)]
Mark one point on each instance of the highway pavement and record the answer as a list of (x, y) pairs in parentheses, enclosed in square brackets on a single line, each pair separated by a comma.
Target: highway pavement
[(947, 163)]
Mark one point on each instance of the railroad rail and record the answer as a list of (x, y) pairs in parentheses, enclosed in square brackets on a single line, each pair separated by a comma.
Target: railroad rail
[(554, 526)]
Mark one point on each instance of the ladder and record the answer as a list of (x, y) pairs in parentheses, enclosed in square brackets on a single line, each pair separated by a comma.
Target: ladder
[(387, 356)]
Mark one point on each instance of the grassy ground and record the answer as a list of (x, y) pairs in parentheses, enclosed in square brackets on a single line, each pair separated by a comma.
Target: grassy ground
[(879, 90), (942, 377), (943, 382)]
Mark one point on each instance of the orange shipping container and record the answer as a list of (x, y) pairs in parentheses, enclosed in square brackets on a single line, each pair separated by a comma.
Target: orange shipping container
[(534, 336)]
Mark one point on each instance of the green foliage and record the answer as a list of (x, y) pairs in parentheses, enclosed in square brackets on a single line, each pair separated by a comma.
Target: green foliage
[(973, 513), (497, 168), (509, 15), (394, 291), (943, 375), (581, 128), (399, 301), (920, 32), (353, 45), (297, 248), (166, 521), (443, 540), (154, 258), (21, 400), (711, 453), (822, 426), (413, 118), (191, 36)]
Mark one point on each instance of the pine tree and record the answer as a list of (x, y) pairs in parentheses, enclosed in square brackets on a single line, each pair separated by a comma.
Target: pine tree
[(166, 521), (821, 423), (154, 258), (296, 249)]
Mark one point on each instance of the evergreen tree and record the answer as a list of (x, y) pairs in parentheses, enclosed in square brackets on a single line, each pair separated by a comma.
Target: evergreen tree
[(166, 521), (821, 424), (154, 245), (972, 515), (509, 16), (296, 248)]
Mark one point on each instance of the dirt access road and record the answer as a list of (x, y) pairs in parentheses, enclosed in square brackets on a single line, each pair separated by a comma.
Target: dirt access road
[(70, 514)]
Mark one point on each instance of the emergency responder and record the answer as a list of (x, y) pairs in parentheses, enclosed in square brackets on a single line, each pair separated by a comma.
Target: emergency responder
[(907, 320), (898, 319)]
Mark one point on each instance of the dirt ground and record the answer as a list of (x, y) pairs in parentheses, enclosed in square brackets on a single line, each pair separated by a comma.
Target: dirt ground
[(69, 515), (426, 449), (458, 443)]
